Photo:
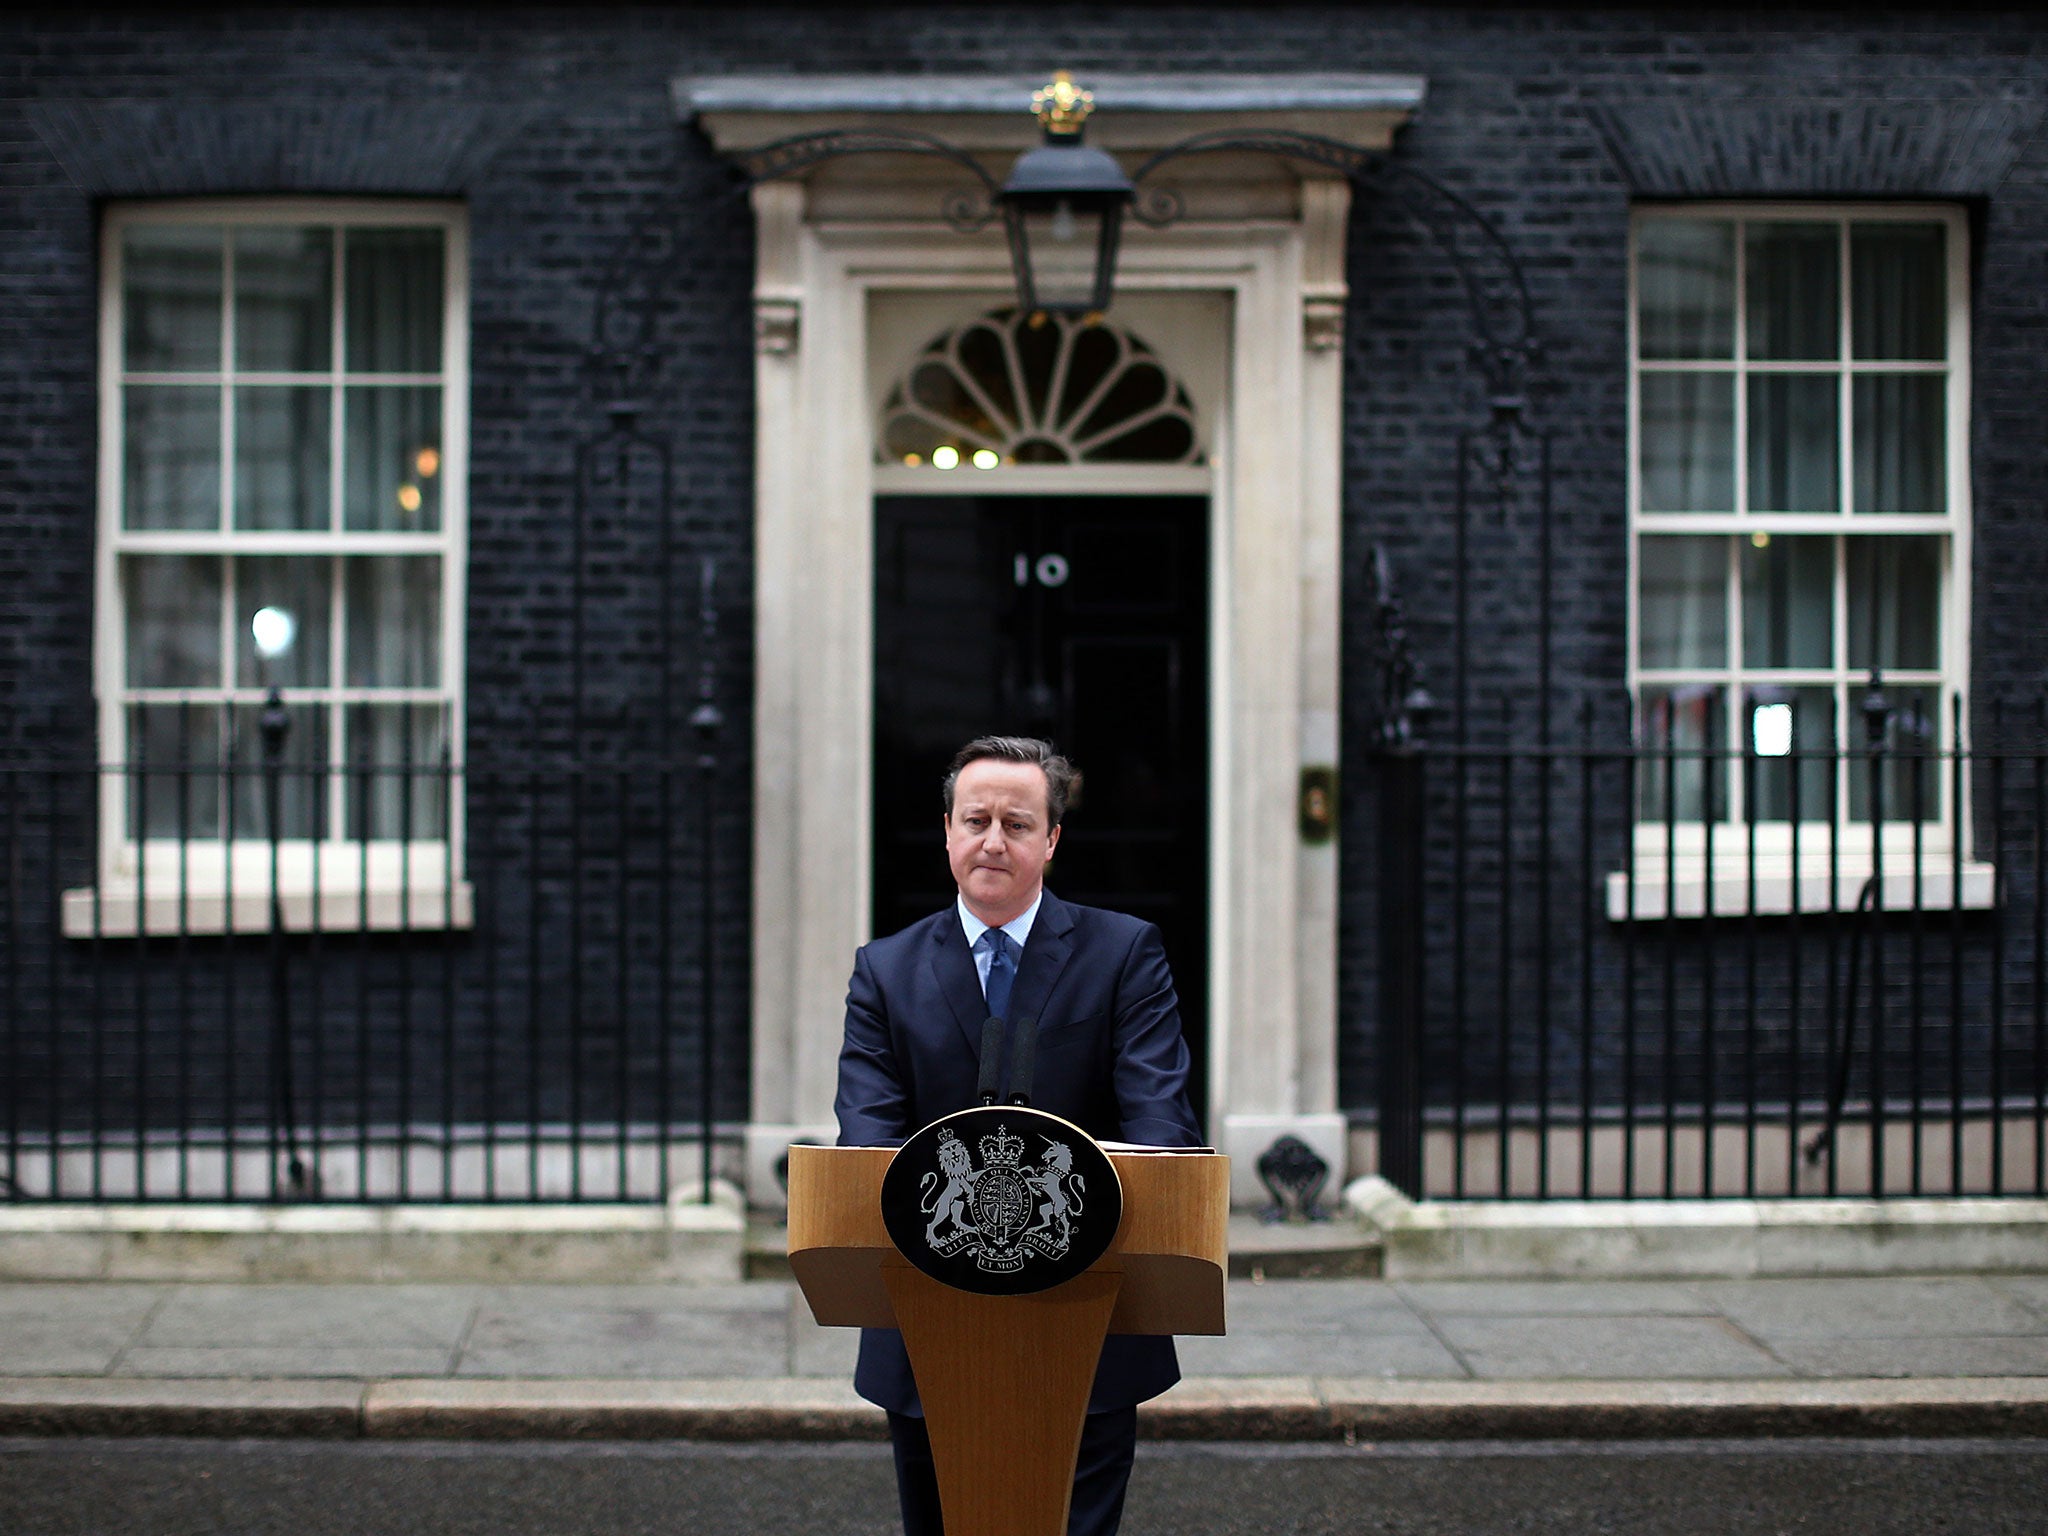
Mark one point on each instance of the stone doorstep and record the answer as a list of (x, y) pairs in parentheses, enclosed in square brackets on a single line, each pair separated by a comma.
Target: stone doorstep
[(1341, 1248), (1201, 1409), (1677, 1239)]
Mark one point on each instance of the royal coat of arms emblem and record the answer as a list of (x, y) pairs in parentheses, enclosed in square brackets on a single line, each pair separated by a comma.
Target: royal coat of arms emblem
[(1002, 1200)]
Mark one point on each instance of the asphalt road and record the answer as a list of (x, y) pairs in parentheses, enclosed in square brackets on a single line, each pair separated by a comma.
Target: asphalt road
[(311, 1488)]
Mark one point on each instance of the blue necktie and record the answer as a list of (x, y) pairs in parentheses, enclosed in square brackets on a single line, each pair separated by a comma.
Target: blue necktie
[(1002, 971)]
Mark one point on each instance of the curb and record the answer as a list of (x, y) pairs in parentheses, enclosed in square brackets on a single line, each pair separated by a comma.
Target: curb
[(298, 1410), (1369, 1411), (768, 1409), (1201, 1409)]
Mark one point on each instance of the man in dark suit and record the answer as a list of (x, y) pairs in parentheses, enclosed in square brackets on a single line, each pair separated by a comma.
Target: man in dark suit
[(1110, 1058)]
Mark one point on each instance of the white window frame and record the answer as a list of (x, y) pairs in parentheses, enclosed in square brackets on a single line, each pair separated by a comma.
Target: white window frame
[(223, 884), (1752, 868)]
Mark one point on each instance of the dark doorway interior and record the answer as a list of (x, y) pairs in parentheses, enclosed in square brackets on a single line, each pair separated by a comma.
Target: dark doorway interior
[(1083, 619)]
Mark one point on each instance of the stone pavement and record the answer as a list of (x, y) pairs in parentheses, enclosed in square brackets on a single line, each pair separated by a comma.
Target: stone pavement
[(1305, 1359)]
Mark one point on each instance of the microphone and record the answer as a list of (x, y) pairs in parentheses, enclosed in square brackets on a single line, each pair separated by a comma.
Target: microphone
[(991, 1058), (1023, 1061)]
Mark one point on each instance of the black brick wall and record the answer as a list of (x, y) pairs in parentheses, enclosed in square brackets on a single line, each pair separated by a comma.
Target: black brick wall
[(555, 128)]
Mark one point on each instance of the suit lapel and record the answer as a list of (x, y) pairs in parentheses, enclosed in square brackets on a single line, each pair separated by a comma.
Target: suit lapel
[(1045, 956), (953, 972)]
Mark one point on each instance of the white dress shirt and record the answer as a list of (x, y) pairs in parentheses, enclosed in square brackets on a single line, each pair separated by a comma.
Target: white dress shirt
[(1018, 928)]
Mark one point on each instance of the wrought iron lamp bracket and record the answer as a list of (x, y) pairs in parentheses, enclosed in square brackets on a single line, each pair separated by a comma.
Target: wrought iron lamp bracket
[(624, 358), (969, 212), (1504, 345)]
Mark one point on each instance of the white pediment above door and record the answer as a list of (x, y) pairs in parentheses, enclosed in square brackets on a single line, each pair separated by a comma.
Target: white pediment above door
[(1135, 113), (989, 117)]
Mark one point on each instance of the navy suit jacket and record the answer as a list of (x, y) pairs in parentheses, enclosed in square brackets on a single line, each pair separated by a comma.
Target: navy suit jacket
[(1110, 1058)]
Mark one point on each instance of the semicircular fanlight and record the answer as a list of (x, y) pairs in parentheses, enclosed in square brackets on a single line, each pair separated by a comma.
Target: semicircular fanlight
[(1003, 390)]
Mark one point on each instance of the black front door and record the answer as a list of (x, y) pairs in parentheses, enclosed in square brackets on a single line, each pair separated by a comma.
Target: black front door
[(1083, 619)]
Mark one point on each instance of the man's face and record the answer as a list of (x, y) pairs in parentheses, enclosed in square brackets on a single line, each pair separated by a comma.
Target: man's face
[(997, 837)]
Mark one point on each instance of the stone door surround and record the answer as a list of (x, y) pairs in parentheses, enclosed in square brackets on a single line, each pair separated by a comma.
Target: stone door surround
[(1260, 248)]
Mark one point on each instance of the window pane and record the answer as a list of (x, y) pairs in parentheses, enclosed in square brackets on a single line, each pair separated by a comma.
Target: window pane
[(1791, 741), (1060, 253), (171, 456), (1901, 443), (1788, 599), (300, 770), (1908, 773), (170, 293), (938, 388), (1895, 603), (174, 770), (912, 439), (1678, 725), (282, 605), (397, 785), (1685, 287), (281, 456), (1688, 442), (392, 474), (394, 300), (173, 620), (1794, 447), (394, 622), (986, 358), (284, 299), (1161, 440), (1684, 602), (1794, 291), (1898, 288)]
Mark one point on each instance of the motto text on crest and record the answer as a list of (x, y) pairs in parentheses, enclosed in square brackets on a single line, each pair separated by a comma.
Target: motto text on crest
[(1006, 1210)]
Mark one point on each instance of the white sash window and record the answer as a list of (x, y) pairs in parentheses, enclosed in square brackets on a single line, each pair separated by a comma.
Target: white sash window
[(1800, 494), (282, 473)]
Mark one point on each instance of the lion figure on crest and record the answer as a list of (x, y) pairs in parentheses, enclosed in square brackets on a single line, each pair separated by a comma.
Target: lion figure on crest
[(950, 1202)]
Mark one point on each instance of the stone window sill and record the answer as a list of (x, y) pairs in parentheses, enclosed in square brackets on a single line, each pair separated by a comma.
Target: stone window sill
[(1687, 892), (388, 889)]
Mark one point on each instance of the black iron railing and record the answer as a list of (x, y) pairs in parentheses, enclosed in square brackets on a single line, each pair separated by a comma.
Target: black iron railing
[(1591, 981), (1606, 970), (506, 989)]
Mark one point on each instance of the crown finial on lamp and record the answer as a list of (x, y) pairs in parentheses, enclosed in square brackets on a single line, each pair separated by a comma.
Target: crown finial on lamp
[(1062, 106)]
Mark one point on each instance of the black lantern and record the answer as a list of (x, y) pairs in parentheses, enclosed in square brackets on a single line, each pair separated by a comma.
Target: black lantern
[(1063, 207)]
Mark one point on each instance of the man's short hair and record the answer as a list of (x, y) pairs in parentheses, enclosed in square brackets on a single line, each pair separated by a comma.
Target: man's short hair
[(1060, 776)]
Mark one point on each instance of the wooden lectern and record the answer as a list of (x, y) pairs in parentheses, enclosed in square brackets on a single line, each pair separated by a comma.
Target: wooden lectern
[(1005, 1379)]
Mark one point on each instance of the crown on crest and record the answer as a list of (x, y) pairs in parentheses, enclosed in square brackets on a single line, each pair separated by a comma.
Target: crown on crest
[(1001, 1149)]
